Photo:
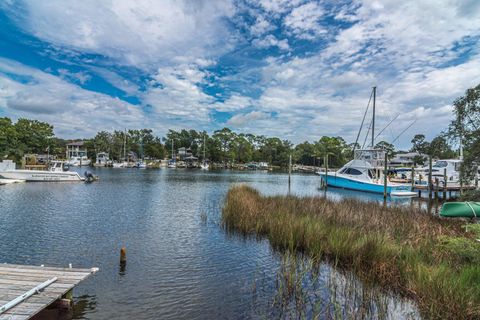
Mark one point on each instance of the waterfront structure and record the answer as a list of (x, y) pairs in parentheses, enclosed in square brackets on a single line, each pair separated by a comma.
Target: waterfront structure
[(405, 159), (76, 156)]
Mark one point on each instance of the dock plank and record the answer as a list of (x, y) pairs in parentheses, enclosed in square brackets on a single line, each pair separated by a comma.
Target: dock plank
[(15, 280)]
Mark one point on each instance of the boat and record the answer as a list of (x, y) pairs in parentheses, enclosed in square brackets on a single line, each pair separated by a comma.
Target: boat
[(204, 165), (103, 160), (172, 163), (55, 173), (76, 156), (366, 171), (460, 210), (141, 165)]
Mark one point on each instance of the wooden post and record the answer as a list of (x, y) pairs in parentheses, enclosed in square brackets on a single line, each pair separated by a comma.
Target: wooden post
[(123, 255), (326, 171), (476, 182), (289, 168), (413, 178), (385, 177), (437, 182), (445, 178), (430, 177)]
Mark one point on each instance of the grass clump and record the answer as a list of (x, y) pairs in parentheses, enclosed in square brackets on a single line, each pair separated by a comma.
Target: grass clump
[(434, 261)]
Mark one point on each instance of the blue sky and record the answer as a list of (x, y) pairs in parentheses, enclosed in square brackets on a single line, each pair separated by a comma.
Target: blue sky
[(294, 69)]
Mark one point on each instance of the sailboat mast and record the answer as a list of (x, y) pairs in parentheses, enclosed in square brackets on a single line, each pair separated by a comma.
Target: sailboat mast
[(204, 147), (125, 146), (373, 119)]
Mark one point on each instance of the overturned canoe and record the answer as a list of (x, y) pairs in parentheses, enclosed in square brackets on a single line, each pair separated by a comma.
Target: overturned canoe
[(461, 209)]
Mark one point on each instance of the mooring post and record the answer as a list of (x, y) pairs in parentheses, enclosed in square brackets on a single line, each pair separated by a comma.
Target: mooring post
[(437, 183), (326, 171), (385, 177), (430, 177), (476, 182), (123, 255), (445, 178), (289, 169), (412, 177)]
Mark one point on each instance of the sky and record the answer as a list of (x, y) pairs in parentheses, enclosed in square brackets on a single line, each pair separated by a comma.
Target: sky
[(288, 68)]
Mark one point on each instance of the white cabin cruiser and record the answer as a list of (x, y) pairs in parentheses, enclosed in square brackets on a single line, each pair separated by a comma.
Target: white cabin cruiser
[(55, 173), (365, 173), (76, 156)]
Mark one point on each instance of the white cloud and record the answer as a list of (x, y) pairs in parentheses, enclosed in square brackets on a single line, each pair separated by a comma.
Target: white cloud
[(235, 102), (303, 21), (240, 120), (271, 41), (136, 33)]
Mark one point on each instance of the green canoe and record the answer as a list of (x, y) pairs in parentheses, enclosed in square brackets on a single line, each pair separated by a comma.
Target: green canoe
[(461, 209)]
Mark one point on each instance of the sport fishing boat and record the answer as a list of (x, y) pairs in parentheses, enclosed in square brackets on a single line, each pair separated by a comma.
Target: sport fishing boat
[(56, 172), (365, 173)]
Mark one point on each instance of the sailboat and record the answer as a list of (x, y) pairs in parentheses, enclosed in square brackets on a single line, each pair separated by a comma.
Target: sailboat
[(365, 171), (123, 164), (204, 165), (172, 163)]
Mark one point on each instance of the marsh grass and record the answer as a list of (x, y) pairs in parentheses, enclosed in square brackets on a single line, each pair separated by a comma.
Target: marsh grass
[(404, 250)]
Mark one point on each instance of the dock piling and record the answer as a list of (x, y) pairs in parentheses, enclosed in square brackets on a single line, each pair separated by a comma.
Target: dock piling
[(445, 178), (385, 172), (412, 177), (123, 255), (430, 177)]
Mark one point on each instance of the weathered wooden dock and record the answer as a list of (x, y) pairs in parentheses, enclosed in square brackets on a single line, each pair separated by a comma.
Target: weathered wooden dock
[(16, 280)]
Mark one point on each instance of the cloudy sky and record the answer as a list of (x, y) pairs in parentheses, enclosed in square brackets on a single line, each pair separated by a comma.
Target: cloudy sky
[(290, 68)]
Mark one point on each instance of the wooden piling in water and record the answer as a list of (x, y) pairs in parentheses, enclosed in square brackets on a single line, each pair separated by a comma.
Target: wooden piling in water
[(430, 177), (326, 171), (437, 185), (123, 255), (445, 178), (385, 177), (413, 177)]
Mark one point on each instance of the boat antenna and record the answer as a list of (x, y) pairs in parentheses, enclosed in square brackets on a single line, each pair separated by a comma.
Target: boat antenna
[(411, 124), (378, 134), (373, 117), (363, 120)]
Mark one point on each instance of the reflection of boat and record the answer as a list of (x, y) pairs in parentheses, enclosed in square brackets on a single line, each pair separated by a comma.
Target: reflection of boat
[(141, 165), (54, 173), (365, 173), (461, 209)]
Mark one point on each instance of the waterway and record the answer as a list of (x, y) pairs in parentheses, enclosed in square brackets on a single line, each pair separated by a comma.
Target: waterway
[(181, 263)]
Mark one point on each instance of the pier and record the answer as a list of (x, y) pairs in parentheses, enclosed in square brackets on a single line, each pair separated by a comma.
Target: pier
[(25, 291)]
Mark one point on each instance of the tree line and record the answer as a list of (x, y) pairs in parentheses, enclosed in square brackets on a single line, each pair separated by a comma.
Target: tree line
[(226, 146)]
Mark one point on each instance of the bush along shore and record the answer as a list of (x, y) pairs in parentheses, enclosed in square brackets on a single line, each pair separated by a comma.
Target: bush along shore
[(434, 261)]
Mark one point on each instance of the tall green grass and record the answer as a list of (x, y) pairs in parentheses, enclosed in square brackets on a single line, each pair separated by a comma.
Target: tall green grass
[(433, 261)]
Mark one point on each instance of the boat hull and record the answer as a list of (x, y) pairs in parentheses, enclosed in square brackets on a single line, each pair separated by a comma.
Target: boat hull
[(345, 183), (460, 210), (35, 175)]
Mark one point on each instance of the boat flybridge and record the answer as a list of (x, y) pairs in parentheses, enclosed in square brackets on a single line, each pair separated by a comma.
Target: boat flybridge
[(365, 173), (56, 172)]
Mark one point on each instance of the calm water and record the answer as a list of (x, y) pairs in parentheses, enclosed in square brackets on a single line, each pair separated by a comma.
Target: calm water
[(181, 263)]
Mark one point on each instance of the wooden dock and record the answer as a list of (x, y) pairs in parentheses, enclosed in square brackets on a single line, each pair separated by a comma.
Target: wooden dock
[(16, 280)]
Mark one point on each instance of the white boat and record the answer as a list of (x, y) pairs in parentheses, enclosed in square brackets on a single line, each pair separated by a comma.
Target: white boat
[(172, 164), (103, 160), (123, 164), (365, 173), (75, 156), (141, 165), (55, 173)]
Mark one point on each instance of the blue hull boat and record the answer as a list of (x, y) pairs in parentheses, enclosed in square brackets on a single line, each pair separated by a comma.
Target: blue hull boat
[(347, 183)]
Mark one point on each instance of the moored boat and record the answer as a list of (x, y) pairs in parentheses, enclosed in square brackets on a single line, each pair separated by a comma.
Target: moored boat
[(54, 173)]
